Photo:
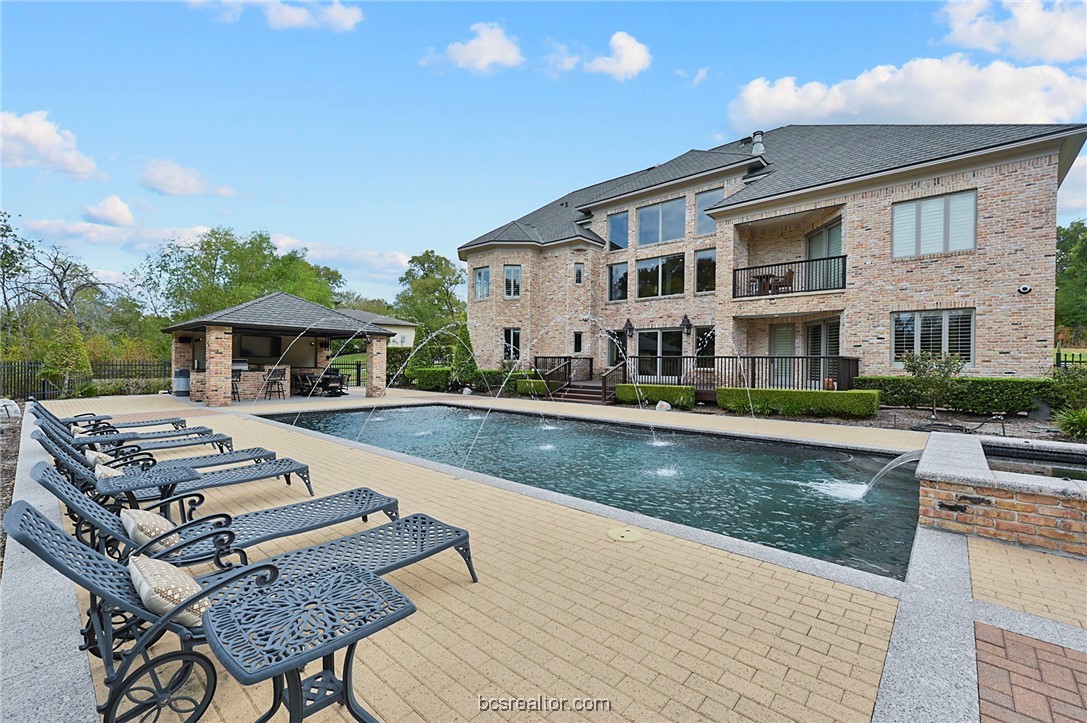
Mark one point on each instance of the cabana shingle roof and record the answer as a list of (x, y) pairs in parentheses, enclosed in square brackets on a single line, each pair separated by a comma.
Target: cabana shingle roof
[(283, 312)]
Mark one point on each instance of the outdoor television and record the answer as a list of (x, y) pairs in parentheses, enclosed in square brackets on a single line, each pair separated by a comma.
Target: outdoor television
[(260, 346)]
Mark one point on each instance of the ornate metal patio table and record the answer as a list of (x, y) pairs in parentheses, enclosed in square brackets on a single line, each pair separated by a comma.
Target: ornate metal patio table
[(275, 632)]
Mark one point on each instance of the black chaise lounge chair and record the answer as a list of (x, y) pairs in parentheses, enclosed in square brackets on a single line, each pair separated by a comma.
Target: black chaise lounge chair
[(86, 419), (104, 438), (212, 537)]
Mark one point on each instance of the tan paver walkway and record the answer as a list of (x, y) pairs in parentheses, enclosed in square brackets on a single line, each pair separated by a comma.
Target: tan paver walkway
[(663, 629), (1047, 585)]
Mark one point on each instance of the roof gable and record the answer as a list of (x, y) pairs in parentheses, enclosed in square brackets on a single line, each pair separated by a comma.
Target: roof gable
[(280, 310)]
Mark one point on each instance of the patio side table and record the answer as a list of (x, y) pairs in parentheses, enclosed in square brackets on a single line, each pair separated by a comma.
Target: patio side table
[(279, 629)]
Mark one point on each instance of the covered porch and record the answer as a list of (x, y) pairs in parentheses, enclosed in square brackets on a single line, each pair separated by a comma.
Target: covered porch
[(270, 347)]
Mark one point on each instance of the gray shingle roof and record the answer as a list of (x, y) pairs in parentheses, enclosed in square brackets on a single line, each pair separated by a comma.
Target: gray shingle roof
[(799, 156), (803, 156), (378, 319), (280, 311)]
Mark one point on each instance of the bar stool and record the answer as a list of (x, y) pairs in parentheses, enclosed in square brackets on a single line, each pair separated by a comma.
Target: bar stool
[(273, 383), (235, 377)]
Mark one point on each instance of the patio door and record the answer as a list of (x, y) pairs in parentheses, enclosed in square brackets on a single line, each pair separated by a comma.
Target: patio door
[(660, 355), (617, 347), (823, 244), (782, 351), (823, 340)]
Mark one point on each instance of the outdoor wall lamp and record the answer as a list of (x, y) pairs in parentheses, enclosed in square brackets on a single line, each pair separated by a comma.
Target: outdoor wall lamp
[(686, 325), (628, 327)]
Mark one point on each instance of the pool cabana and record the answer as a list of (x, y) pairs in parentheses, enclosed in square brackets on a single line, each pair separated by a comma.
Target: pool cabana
[(280, 331)]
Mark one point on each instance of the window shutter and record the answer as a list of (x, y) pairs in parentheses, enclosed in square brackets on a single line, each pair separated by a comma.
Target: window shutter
[(960, 230), (932, 226), (905, 230), (959, 334)]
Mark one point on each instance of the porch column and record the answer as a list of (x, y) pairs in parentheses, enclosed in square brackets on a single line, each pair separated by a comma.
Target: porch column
[(376, 348), (181, 353), (219, 348)]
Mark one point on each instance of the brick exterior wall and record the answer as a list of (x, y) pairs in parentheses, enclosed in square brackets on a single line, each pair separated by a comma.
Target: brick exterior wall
[(1016, 245), (181, 354), (218, 346), (376, 357), (1035, 520)]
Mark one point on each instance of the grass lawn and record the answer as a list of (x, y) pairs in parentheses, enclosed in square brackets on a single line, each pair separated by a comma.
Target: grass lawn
[(351, 358), (1068, 351)]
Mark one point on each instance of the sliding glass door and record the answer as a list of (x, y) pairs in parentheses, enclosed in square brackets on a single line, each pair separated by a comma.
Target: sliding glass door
[(659, 355)]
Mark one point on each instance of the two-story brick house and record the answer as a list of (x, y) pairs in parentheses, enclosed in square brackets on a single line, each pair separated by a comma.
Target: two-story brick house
[(796, 248)]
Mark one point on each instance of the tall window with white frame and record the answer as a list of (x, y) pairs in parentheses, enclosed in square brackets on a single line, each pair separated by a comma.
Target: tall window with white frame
[(618, 231), (511, 344), (661, 276), (705, 270), (936, 225), (513, 281), (617, 282), (949, 331), (704, 224), (662, 222), (482, 283), (579, 273)]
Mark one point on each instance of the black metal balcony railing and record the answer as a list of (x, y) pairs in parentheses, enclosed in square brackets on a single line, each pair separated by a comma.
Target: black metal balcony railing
[(790, 277), (706, 373)]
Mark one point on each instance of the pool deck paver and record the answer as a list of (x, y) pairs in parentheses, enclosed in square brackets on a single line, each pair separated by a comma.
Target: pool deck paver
[(666, 628)]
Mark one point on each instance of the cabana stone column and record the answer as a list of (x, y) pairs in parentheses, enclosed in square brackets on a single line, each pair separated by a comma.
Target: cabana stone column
[(181, 353), (218, 346), (376, 354)]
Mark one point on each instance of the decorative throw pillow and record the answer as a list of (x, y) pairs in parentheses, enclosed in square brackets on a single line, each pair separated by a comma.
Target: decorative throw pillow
[(102, 471), (96, 458), (143, 526), (162, 587)]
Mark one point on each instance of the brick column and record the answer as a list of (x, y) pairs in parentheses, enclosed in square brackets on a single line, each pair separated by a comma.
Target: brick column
[(218, 346), (181, 354), (376, 347)]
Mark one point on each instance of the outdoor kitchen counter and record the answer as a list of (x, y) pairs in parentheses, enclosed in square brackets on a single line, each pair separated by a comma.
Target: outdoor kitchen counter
[(250, 385)]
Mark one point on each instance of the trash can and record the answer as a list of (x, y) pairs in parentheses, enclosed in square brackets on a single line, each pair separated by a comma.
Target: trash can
[(181, 383)]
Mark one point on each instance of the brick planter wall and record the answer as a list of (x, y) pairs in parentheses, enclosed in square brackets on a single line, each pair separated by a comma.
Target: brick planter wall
[(1035, 520)]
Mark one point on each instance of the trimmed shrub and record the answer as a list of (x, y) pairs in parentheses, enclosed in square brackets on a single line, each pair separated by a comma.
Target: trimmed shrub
[(679, 397), (1073, 422), (493, 381), (395, 356), (976, 395), (800, 402), (1068, 387), (430, 379), (533, 387)]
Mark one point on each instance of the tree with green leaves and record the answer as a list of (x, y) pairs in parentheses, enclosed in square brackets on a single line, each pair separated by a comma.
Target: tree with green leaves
[(1071, 306), (66, 357), (432, 291), (936, 375), (464, 371), (221, 269), (347, 299)]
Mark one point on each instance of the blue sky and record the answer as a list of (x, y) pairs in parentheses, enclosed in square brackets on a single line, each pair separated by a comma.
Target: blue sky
[(370, 132)]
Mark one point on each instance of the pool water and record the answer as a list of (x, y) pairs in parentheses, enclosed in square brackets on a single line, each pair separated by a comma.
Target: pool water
[(794, 497)]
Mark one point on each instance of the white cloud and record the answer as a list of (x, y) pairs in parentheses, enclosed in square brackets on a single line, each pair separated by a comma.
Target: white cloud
[(1029, 29), (108, 277), (334, 16), (628, 58), (1072, 196), (490, 47), (172, 179), (80, 233), (699, 76), (923, 90), (560, 59), (34, 140), (379, 266), (112, 211)]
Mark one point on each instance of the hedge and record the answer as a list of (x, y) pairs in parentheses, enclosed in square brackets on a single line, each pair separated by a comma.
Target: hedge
[(533, 387), (431, 379), (495, 380), (395, 358), (800, 402), (976, 395), (678, 396)]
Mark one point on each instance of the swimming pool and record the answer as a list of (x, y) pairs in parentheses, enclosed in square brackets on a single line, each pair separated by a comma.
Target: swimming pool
[(789, 496)]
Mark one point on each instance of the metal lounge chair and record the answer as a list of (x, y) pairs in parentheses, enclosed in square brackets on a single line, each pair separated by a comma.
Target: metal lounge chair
[(89, 418), (103, 439), (212, 537)]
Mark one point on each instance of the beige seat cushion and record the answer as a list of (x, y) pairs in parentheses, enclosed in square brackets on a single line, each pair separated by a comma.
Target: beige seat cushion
[(102, 471), (96, 458), (143, 526), (162, 587)]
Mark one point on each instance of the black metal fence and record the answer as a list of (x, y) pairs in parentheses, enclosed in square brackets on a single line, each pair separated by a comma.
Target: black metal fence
[(1066, 359), (22, 379), (354, 372), (706, 373), (791, 277)]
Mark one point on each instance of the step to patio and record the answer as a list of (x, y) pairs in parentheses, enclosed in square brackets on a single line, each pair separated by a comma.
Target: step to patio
[(585, 393)]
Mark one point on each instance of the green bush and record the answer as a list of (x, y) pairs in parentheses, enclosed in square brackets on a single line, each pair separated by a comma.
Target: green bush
[(1068, 387), (431, 379), (800, 402), (976, 395), (532, 387), (1073, 422), (493, 381), (395, 357), (679, 397)]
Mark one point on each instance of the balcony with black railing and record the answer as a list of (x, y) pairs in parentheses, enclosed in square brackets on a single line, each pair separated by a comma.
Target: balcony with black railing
[(789, 277)]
